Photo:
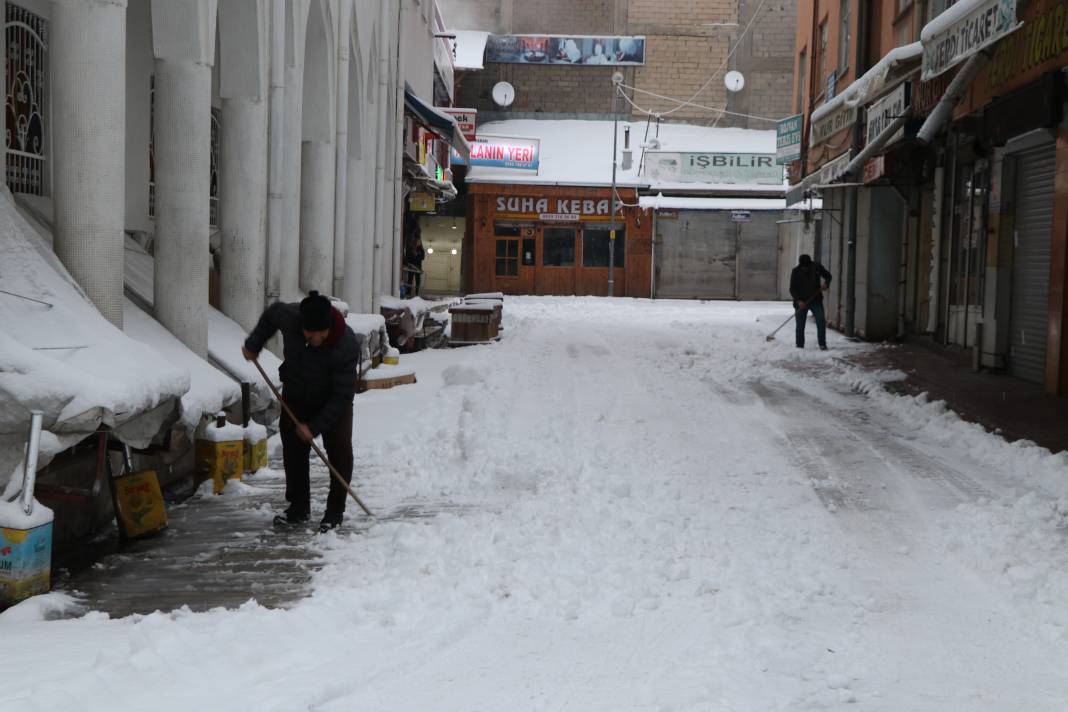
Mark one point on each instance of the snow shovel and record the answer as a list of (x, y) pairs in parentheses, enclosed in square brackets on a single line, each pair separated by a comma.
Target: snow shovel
[(322, 456), (771, 336)]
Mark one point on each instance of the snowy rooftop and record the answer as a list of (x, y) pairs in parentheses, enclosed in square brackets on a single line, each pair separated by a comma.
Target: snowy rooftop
[(470, 48), (580, 152)]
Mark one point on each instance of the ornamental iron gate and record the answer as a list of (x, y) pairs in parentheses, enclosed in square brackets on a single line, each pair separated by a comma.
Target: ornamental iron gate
[(27, 54)]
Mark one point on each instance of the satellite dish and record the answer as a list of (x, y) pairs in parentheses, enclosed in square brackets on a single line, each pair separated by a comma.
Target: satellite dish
[(734, 81), (503, 93)]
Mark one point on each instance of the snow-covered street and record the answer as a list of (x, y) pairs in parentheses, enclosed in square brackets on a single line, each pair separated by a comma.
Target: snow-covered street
[(632, 505)]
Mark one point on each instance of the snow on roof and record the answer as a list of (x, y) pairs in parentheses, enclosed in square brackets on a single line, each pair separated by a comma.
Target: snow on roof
[(871, 83), (684, 203), (210, 390), (470, 48), (68, 360), (225, 336), (578, 153)]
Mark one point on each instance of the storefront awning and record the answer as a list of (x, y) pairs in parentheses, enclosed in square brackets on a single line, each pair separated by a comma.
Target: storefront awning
[(873, 82), (416, 175), (437, 121)]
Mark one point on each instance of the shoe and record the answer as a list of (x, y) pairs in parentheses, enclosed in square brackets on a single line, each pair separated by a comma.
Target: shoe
[(330, 522), (823, 348), (291, 517)]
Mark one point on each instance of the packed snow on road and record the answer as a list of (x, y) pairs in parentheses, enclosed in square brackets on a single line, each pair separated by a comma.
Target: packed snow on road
[(626, 505)]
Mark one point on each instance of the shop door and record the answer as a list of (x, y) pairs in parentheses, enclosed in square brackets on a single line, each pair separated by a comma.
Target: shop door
[(555, 273), (1031, 263), (696, 256), (758, 256)]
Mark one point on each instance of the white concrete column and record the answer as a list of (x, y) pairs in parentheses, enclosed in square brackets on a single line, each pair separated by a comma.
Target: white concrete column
[(277, 140), (288, 264), (359, 221), (89, 145), (182, 147), (243, 41), (243, 208), (317, 216)]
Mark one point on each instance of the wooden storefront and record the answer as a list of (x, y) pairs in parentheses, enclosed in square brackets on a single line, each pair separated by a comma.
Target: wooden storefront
[(553, 240)]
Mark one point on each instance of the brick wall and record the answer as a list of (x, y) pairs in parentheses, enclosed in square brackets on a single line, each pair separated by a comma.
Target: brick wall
[(678, 67), (686, 41), (681, 14)]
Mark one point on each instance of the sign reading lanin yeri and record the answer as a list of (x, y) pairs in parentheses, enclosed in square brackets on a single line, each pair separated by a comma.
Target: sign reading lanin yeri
[(947, 45), (720, 168)]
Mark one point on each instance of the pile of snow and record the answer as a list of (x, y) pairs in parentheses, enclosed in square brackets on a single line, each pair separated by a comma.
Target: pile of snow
[(659, 201), (67, 360)]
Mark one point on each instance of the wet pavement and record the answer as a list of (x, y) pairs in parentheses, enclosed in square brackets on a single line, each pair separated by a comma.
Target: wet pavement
[(216, 551), (1015, 409)]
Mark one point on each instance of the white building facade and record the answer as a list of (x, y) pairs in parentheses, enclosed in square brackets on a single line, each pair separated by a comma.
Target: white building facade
[(254, 147)]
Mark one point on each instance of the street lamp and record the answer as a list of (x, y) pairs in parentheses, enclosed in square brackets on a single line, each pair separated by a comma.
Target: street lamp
[(617, 79)]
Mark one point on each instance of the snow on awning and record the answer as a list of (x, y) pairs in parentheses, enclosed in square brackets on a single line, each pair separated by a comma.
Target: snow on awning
[(470, 48), (59, 355), (437, 121), (872, 82), (672, 202)]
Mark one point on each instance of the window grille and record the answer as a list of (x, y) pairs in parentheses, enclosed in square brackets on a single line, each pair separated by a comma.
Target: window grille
[(27, 69)]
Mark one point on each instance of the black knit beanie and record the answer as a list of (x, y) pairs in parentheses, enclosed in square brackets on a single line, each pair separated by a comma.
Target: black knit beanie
[(315, 312)]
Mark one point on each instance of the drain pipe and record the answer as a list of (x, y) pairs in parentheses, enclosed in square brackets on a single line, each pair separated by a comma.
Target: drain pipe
[(854, 192), (341, 144), (29, 470), (276, 152)]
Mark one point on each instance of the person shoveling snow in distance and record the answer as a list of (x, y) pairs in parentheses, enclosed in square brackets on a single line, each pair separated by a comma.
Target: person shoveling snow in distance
[(318, 373), (807, 291)]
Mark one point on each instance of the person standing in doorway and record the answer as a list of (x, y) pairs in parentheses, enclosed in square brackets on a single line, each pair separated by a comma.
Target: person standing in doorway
[(414, 260), (318, 375), (808, 281)]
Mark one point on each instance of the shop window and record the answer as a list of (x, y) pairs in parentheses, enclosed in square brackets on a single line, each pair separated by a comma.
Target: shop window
[(507, 258), (528, 252), (505, 229), (558, 247), (595, 245)]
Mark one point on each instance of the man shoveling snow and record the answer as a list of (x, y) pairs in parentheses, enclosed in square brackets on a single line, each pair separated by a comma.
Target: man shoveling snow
[(318, 373)]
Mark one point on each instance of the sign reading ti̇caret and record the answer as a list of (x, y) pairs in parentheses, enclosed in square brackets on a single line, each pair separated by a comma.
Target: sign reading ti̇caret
[(720, 168), (949, 42)]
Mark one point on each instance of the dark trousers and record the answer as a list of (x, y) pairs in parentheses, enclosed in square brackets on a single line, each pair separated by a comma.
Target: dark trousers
[(295, 453), (801, 316)]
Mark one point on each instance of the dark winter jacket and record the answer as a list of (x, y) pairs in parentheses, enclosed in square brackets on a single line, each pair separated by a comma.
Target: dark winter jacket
[(415, 255), (805, 283), (318, 383)]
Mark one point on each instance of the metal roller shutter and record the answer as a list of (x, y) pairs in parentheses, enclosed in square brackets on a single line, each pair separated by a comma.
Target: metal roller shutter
[(695, 256), (1031, 263), (758, 271)]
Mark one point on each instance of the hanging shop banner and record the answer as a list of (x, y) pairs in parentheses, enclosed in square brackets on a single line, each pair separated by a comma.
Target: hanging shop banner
[(827, 126), (720, 168), (503, 152), (948, 42), (788, 140), (419, 202), (883, 112), (834, 169), (466, 118), (565, 49)]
